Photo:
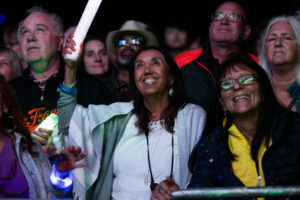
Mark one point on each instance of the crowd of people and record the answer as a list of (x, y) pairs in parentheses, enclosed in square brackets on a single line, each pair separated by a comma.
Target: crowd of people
[(139, 118)]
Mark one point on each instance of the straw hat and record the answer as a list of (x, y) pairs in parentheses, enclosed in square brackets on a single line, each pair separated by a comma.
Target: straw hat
[(130, 27)]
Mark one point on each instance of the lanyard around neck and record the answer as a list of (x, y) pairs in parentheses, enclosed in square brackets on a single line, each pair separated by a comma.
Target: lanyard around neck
[(153, 184)]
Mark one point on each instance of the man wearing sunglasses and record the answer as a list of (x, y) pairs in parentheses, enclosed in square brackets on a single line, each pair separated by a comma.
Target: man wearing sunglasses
[(122, 45), (228, 31)]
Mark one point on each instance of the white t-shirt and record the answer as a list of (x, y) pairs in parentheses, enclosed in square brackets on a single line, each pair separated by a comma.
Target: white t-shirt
[(130, 166)]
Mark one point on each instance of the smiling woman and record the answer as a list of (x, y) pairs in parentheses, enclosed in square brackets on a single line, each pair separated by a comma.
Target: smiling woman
[(253, 145), (152, 75), (154, 134), (240, 92)]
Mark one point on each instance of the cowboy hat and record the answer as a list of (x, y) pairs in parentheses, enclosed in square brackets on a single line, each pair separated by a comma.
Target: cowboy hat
[(130, 27)]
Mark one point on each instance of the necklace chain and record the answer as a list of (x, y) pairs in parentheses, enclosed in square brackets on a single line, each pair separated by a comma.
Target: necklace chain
[(153, 184)]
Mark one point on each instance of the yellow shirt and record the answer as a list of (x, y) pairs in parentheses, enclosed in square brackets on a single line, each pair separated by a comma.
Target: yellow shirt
[(244, 166)]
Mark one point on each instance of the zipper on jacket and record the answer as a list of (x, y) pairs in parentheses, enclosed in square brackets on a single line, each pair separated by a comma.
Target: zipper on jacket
[(258, 174)]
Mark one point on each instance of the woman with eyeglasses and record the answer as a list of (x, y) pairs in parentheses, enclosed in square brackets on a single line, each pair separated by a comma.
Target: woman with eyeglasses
[(280, 57), (133, 146), (25, 170), (256, 142)]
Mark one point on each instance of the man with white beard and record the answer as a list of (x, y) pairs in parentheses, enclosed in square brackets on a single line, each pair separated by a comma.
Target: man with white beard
[(122, 45)]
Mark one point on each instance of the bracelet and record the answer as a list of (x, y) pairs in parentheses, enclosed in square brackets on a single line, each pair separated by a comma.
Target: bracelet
[(67, 90), (61, 180)]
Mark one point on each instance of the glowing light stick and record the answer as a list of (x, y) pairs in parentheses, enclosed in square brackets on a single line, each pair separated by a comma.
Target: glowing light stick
[(49, 123), (61, 180), (83, 26)]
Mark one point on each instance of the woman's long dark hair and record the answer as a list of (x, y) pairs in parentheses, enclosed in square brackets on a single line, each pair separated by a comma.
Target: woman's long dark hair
[(269, 107), (175, 102), (12, 120)]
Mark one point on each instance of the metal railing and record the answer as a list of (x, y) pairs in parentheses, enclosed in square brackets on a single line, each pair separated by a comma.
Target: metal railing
[(238, 192)]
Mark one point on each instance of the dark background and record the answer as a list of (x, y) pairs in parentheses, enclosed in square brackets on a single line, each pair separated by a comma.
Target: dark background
[(113, 13)]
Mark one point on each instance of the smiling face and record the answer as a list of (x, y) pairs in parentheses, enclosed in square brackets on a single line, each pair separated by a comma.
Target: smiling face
[(227, 31), (241, 99), (151, 73), (38, 39), (281, 46), (95, 58)]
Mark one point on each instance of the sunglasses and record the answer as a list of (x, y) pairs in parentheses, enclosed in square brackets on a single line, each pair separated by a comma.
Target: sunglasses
[(244, 80), (234, 17), (132, 41)]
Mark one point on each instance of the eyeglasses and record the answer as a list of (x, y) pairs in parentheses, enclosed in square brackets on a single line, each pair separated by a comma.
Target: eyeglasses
[(234, 17), (132, 41), (244, 80)]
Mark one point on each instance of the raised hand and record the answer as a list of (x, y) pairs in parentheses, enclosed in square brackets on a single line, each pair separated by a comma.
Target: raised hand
[(69, 48), (67, 159), (70, 65)]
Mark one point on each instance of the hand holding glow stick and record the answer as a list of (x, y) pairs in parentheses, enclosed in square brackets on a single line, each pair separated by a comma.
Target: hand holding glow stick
[(83, 26), (47, 126)]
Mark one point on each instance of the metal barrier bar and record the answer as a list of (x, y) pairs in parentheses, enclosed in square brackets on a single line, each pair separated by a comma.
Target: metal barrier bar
[(234, 192)]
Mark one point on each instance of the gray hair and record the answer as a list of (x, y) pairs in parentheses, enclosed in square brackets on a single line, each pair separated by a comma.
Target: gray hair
[(58, 22), (17, 70), (295, 24)]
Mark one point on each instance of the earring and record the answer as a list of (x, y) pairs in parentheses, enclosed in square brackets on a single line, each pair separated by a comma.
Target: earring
[(171, 91)]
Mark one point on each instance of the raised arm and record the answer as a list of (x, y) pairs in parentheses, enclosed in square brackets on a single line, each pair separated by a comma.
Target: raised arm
[(70, 66), (67, 90)]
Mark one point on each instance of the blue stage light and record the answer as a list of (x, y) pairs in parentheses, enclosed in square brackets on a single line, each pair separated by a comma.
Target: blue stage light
[(2, 18)]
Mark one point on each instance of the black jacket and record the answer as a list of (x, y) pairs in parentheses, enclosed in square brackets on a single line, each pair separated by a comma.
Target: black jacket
[(35, 109), (200, 72), (281, 161)]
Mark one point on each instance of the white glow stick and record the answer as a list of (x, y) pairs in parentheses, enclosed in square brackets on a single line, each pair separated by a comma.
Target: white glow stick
[(83, 26)]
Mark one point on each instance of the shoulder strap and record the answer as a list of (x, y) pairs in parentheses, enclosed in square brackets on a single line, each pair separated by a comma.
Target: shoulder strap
[(293, 100)]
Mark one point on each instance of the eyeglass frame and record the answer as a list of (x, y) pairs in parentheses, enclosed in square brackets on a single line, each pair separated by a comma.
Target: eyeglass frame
[(240, 19), (239, 80), (138, 38)]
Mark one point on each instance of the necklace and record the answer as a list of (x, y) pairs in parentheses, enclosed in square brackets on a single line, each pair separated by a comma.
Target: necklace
[(12, 175), (153, 124), (153, 184)]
